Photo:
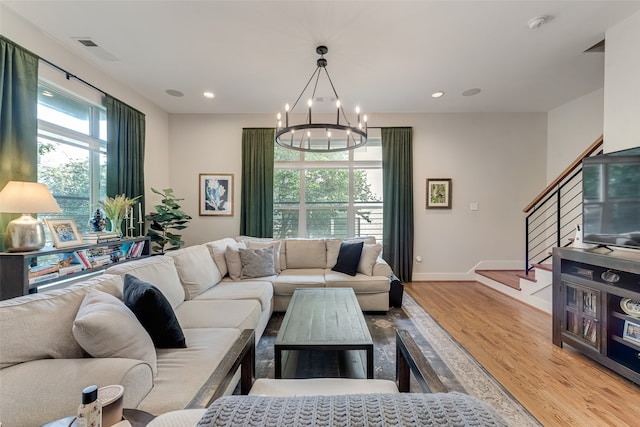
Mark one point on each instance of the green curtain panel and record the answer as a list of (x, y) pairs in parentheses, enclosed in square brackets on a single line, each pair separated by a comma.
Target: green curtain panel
[(397, 187), (18, 119), (125, 150), (256, 199)]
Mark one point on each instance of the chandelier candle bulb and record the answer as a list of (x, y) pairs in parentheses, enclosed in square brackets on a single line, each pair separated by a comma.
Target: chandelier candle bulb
[(338, 108), (286, 116), (310, 103)]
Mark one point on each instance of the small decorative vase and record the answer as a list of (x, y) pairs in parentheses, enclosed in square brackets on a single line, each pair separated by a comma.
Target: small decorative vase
[(97, 221), (116, 225)]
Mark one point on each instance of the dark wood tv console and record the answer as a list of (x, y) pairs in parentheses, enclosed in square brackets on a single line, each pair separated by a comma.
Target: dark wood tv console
[(588, 287)]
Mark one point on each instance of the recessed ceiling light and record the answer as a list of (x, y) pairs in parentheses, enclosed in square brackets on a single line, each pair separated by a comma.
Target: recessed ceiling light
[(209, 94), (471, 92), (174, 92), (437, 94)]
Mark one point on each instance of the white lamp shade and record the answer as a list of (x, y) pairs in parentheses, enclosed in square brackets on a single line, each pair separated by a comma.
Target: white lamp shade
[(27, 197)]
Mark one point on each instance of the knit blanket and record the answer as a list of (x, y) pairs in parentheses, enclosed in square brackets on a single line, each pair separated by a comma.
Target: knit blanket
[(401, 409)]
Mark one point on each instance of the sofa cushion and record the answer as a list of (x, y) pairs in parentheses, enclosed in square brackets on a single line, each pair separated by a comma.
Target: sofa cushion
[(238, 314), (360, 283), (306, 253), (368, 258), (291, 279), (182, 372), (159, 270), (196, 269), (154, 312), (216, 249), (46, 318), (333, 247), (105, 327), (262, 291), (348, 258), (257, 262)]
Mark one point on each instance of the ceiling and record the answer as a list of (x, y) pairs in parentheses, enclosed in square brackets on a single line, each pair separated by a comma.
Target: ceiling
[(387, 56)]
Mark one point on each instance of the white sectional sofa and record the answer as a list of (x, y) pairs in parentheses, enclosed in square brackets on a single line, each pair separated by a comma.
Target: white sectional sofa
[(41, 356)]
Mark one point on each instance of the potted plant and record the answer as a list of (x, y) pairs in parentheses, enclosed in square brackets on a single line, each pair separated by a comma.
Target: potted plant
[(167, 218)]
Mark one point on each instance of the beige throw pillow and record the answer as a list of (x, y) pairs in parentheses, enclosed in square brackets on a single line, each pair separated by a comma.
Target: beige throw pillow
[(234, 264), (105, 327), (368, 258)]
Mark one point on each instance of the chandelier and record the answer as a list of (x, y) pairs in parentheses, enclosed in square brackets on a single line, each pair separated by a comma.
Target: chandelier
[(321, 137)]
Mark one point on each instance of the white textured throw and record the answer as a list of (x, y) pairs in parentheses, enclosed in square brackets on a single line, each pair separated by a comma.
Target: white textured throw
[(404, 409)]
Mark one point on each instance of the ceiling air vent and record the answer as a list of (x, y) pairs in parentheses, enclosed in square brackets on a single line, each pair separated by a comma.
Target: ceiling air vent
[(95, 49)]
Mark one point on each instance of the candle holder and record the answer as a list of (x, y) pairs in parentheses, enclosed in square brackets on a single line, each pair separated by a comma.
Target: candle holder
[(141, 223)]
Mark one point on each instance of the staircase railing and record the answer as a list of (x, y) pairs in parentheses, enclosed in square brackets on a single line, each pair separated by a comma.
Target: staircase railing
[(553, 214)]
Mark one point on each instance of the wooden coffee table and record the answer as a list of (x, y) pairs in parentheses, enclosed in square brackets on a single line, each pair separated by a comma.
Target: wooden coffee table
[(323, 319)]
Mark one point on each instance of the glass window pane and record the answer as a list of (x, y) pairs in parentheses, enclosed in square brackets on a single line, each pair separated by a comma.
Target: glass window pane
[(286, 186), (63, 111), (285, 223), (282, 154), (327, 157), (369, 221), (372, 150), (367, 185), (326, 223), (326, 186), (65, 170), (102, 125)]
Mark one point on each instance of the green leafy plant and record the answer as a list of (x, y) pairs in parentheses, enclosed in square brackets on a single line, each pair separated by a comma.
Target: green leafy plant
[(167, 218)]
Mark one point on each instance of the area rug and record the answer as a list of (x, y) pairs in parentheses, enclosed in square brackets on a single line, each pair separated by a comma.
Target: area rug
[(455, 367)]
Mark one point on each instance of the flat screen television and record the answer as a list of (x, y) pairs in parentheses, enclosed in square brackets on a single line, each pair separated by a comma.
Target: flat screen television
[(611, 199)]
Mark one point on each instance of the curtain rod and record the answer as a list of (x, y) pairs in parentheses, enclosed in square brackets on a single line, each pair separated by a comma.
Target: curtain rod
[(69, 75)]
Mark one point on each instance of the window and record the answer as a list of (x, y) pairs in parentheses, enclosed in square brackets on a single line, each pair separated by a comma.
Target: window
[(72, 151), (329, 194)]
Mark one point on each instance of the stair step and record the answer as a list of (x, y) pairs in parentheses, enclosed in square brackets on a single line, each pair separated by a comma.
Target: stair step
[(506, 277), (547, 267)]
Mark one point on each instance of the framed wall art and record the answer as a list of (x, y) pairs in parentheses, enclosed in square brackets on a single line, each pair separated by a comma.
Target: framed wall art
[(64, 232), (438, 193), (216, 194)]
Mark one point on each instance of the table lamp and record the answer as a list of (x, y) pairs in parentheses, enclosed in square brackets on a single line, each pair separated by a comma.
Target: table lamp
[(26, 233)]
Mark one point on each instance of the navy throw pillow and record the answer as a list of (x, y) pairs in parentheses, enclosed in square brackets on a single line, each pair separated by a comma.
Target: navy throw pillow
[(348, 258), (154, 312)]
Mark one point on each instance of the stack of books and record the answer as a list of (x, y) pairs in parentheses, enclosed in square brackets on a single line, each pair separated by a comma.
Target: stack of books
[(40, 273), (97, 237)]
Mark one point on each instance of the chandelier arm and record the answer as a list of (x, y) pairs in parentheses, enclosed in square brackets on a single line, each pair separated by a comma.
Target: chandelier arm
[(344, 115), (306, 86)]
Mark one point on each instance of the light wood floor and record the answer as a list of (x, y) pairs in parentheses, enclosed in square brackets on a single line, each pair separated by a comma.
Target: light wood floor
[(513, 342)]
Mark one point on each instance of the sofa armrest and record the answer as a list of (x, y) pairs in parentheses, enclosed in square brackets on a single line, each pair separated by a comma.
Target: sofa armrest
[(381, 268), (409, 359), (241, 355)]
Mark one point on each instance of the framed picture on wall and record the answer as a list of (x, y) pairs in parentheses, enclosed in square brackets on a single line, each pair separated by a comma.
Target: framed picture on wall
[(438, 193), (216, 194), (64, 232)]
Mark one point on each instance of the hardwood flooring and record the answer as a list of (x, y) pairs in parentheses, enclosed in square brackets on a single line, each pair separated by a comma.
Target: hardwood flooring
[(513, 342)]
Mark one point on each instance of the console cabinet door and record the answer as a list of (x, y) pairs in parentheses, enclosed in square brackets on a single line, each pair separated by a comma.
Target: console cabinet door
[(582, 317)]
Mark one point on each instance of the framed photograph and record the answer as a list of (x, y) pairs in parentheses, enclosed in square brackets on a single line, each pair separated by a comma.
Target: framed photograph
[(631, 331), (216, 194), (64, 232), (438, 193)]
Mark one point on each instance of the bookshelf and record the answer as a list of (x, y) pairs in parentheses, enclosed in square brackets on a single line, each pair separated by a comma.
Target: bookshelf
[(18, 269), (588, 289)]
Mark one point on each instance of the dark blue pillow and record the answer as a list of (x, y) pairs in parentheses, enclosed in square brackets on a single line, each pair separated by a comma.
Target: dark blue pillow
[(349, 258), (154, 312)]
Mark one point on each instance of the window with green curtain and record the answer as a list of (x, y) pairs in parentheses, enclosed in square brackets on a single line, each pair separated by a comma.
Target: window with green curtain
[(256, 198), (18, 118), (397, 182), (125, 151)]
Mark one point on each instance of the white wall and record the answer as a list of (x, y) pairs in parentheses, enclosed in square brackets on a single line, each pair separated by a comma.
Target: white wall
[(493, 159), (622, 85), (157, 121), (572, 127)]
